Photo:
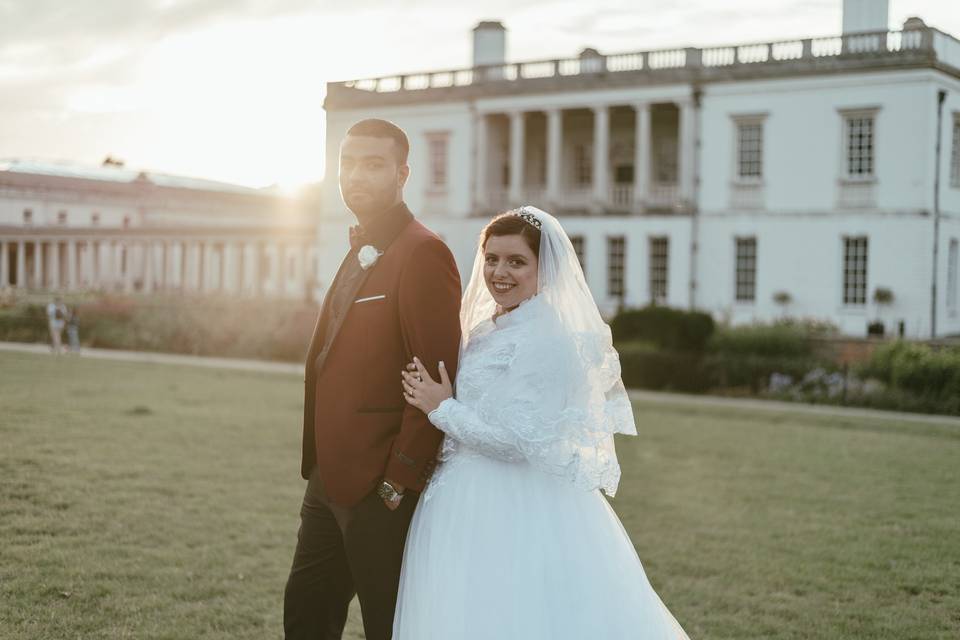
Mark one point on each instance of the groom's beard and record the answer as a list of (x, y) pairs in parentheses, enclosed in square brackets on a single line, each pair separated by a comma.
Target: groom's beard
[(366, 204)]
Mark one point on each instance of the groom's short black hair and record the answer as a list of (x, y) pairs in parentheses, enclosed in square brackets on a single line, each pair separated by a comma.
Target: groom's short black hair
[(377, 128)]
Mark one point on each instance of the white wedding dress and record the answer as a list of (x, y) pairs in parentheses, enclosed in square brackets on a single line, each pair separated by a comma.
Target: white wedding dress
[(512, 539)]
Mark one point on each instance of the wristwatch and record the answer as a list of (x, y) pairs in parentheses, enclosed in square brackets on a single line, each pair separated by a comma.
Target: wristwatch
[(389, 493)]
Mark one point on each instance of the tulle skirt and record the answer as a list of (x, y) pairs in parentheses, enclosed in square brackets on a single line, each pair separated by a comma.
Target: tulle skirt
[(499, 550)]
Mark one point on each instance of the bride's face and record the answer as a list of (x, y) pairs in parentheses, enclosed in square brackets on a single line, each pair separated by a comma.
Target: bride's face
[(510, 270)]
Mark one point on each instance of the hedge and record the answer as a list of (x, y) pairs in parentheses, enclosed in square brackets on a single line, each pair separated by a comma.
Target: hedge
[(671, 329), (262, 329)]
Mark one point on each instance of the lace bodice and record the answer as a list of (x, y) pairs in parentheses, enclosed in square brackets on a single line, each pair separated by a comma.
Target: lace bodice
[(520, 397)]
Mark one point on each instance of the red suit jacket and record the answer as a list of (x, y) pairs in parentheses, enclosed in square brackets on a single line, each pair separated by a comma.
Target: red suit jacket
[(357, 427)]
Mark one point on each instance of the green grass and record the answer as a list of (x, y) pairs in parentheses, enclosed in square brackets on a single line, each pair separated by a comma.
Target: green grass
[(152, 501)]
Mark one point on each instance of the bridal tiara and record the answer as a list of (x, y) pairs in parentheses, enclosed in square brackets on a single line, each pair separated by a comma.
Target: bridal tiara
[(527, 217)]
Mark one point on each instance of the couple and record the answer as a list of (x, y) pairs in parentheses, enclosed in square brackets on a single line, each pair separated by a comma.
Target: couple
[(511, 537)]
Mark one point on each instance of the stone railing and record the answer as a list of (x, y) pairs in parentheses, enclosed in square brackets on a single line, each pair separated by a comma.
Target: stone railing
[(936, 44)]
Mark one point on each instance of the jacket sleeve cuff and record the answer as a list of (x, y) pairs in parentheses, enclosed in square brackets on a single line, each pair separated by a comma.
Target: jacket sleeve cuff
[(411, 474)]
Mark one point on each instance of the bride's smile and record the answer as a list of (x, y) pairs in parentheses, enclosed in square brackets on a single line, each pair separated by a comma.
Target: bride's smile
[(510, 269)]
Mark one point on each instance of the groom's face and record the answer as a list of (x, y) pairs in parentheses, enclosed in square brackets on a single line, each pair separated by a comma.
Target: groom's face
[(371, 175)]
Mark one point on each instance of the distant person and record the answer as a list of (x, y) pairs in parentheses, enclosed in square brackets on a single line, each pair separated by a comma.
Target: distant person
[(73, 329), (56, 318), (366, 453)]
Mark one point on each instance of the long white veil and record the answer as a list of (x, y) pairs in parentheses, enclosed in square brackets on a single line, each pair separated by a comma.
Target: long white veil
[(567, 426)]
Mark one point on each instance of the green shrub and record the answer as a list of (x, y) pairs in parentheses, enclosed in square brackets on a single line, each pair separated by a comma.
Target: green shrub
[(670, 329), (780, 340), (645, 367), (925, 371), (754, 371), (262, 329), (916, 368), (24, 323), (880, 364)]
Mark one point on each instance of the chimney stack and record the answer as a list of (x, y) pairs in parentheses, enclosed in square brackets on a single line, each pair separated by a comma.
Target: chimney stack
[(865, 15), (489, 44)]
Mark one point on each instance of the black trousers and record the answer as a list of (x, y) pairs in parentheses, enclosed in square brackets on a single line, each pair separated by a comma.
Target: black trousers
[(341, 552)]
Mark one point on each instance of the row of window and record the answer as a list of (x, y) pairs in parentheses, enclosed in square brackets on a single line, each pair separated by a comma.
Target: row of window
[(854, 276), (859, 153), (62, 218), (658, 273), (859, 147)]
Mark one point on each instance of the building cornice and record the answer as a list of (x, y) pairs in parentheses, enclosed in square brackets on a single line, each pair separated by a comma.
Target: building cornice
[(924, 48), (297, 234)]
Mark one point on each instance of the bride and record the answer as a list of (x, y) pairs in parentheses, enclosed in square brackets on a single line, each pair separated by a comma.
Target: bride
[(512, 538)]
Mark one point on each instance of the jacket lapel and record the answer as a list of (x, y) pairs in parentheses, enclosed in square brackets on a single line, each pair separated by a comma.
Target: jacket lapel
[(323, 318), (352, 279)]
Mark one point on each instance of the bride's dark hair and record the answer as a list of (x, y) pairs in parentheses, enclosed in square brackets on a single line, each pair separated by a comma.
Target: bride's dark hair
[(511, 224)]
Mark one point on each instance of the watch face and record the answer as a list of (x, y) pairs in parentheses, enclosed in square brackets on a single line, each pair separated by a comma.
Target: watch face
[(387, 491)]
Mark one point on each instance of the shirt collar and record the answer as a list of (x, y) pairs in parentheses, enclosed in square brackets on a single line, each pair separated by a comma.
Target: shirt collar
[(384, 228)]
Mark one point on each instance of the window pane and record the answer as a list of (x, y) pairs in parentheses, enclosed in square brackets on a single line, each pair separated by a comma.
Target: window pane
[(615, 260), (855, 270), (438, 162), (860, 146), (746, 269), (952, 283), (750, 150), (578, 247), (659, 258)]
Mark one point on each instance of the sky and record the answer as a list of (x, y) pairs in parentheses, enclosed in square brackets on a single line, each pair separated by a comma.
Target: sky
[(233, 90)]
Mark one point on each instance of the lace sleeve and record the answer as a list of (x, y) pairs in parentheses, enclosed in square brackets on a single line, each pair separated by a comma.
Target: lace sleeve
[(463, 424), (555, 412)]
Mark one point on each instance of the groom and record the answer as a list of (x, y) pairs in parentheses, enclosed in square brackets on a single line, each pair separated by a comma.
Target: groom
[(366, 453)]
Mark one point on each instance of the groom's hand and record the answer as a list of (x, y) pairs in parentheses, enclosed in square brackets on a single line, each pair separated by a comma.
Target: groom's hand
[(420, 390)]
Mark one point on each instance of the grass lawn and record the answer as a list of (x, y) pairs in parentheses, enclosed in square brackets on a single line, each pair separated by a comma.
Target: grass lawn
[(154, 501)]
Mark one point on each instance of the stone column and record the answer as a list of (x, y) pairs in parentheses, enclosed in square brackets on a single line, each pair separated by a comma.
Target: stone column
[(115, 250), (37, 264), (222, 264), (239, 252), (148, 267), (281, 271), (203, 266), (686, 148), (301, 269), (516, 194), (21, 264), (105, 260), (163, 274), (93, 263), (183, 265), (71, 265), (641, 157), (481, 196), (601, 156), (127, 264), (554, 155), (55, 265), (256, 269), (4, 265)]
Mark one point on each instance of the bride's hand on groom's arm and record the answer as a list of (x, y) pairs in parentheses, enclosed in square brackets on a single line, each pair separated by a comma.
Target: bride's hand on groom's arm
[(420, 390)]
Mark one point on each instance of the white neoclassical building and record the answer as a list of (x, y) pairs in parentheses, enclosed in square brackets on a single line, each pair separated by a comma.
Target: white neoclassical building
[(753, 181), (65, 227)]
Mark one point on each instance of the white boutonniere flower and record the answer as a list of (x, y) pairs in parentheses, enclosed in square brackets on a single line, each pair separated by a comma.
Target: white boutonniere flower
[(368, 256)]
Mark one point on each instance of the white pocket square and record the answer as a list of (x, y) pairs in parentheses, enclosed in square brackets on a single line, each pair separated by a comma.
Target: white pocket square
[(379, 297)]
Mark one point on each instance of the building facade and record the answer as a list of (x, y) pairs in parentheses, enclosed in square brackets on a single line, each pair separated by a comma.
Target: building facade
[(814, 178), (70, 228)]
